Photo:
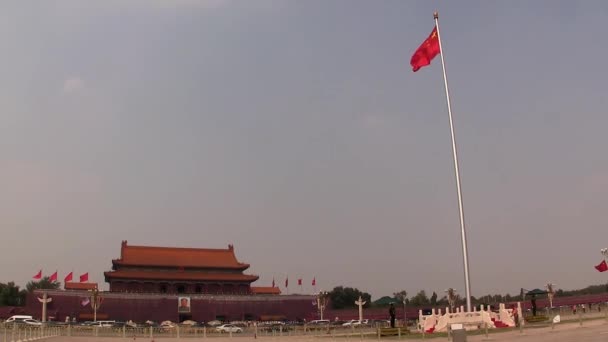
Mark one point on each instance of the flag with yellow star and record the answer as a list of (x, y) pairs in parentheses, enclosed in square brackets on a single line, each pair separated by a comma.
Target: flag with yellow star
[(426, 52)]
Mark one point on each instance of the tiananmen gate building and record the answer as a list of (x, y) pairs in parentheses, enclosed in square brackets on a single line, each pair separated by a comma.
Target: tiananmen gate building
[(176, 284), (179, 270)]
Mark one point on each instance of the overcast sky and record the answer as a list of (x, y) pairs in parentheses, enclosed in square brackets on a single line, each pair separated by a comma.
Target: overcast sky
[(297, 131)]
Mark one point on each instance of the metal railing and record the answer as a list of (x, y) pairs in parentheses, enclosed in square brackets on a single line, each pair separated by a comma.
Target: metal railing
[(22, 332), (10, 332)]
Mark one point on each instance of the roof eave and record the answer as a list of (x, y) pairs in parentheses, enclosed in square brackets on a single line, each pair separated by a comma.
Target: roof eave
[(113, 275), (241, 267)]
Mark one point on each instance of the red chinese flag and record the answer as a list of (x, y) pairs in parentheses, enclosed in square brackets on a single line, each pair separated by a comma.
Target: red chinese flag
[(314, 281), (602, 267), (272, 282), (426, 52), (38, 275), (300, 281), (53, 277), (84, 278), (68, 277), (287, 282)]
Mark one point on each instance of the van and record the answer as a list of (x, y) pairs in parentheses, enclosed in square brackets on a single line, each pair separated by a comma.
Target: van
[(17, 318)]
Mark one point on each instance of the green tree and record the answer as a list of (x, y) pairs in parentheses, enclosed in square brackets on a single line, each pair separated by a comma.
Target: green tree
[(11, 295), (345, 297), (401, 296), (420, 299), (434, 299), (43, 284), (443, 301)]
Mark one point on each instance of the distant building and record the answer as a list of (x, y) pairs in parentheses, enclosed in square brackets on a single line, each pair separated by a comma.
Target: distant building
[(178, 270), (176, 284)]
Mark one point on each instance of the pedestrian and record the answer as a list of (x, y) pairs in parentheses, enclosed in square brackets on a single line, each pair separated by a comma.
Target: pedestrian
[(391, 312)]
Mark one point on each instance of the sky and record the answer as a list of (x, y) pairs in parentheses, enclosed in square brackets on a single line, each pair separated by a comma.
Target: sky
[(297, 131)]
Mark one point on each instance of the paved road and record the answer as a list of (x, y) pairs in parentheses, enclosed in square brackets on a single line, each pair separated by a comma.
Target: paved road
[(592, 331), (569, 332)]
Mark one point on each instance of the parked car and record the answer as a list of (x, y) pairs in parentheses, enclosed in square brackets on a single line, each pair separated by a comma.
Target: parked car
[(167, 325), (352, 323), (214, 323), (239, 324), (150, 324), (228, 328), (103, 324), (18, 318), (30, 321)]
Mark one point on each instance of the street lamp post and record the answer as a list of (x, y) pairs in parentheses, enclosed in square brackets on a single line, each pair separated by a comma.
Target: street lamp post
[(45, 300), (550, 293), (322, 299), (604, 252), (451, 294), (404, 313), (95, 302)]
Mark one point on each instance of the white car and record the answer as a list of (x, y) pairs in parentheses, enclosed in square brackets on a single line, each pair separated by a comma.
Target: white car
[(228, 328), (167, 325), (352, 323), (102, 324), (30, 321), (18, 318)]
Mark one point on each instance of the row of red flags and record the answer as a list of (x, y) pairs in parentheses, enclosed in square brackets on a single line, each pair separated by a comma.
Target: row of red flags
[(68, 278), (313, 283)]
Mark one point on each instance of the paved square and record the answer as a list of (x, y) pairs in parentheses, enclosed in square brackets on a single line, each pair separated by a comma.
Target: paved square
[(592, 331)]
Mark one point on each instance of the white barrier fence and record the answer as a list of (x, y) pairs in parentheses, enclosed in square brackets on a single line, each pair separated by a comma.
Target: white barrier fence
[(21, 332), (438, 322)]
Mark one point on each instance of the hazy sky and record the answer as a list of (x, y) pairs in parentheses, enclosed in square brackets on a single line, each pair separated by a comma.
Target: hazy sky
[(297, 131)]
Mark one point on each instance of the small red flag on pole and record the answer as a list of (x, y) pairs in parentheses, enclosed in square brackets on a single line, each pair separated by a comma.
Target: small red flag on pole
[(287, 282), (300, 281), (314, 281), (68, 277), (273, 282), (84, 277), (602, 267), (53, 277), (38, 275)]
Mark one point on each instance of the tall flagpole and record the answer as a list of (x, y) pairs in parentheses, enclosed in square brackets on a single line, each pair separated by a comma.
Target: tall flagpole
[(463, 236)]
